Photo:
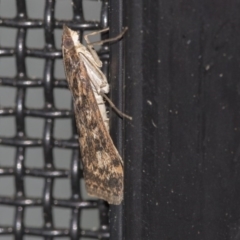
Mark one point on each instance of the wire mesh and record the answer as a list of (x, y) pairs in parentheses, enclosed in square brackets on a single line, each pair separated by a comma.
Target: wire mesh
[(21, 142)]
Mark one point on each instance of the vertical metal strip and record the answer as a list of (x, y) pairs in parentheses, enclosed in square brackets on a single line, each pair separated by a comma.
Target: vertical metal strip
[(117, 85)]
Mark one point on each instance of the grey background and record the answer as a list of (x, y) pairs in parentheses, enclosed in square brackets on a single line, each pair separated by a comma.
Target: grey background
[(35, 99)]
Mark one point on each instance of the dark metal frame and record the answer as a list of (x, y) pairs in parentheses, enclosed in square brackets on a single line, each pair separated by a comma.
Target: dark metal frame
[(49, 113), (182, 148)]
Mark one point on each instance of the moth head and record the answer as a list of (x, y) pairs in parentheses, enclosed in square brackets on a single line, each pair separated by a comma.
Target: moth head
[(70, 38)]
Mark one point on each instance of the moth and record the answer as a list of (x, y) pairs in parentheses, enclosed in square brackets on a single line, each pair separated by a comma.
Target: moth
[(102, 164)]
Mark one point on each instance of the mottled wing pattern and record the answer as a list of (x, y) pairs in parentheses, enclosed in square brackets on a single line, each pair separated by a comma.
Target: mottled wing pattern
[(102, 164)]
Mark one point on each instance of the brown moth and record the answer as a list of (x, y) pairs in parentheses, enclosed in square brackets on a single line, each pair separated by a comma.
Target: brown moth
[(102, 164)]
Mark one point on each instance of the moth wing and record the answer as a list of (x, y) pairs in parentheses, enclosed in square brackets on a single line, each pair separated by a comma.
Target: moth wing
[(102, 164)]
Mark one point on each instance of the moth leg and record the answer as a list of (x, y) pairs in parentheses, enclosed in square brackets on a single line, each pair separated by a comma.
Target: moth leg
[(120, 113), (106, 40), (94, 33), (90, 45), (105, 89)]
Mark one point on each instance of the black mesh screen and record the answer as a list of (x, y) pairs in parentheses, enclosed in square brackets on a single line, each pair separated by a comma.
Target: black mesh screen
[(20, 201)]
